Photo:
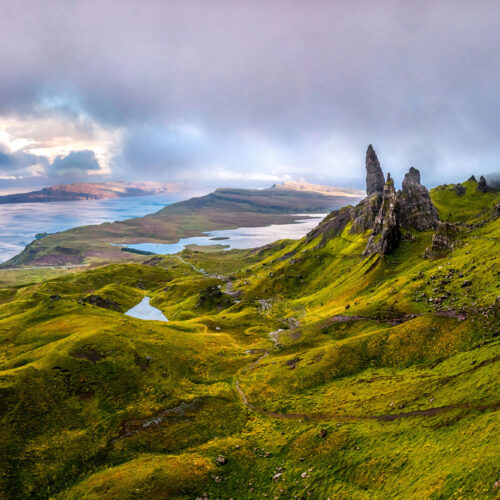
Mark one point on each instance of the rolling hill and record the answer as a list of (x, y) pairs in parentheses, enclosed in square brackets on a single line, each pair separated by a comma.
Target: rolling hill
[(359, 362)]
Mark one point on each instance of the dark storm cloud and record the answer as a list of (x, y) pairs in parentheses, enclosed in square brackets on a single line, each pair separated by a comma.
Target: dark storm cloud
[(18, 163), (283, 87), (75, 161)]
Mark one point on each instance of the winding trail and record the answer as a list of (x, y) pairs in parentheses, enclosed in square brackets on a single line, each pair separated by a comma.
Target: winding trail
[(388, 417)]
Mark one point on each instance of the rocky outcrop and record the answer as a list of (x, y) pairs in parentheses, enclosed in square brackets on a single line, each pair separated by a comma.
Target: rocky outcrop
[(472, 178), (481, 185), (459, 189), (386, 233), (443, 241), (97, 300), (374, 175), (416, 208), (384, 211)]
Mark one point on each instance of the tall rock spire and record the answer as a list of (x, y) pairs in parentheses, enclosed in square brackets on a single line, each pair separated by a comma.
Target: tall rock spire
[(374, 176)]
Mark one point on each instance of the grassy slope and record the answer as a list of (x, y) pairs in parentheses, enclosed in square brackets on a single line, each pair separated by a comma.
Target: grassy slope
[(95, 404), (222, 209)]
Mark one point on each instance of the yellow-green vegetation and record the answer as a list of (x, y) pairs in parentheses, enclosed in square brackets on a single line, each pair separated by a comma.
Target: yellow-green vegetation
[(298, 370)]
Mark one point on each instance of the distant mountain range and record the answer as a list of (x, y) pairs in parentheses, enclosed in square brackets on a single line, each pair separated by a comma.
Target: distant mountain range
[(225, 208), (90, 191)]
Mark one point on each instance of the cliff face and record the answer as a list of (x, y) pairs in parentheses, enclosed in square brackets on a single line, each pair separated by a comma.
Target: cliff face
[(416, 208), (386, 233), (385, 211)]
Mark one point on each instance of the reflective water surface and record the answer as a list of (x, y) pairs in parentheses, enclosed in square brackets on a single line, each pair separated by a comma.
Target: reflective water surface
[(144, 310), (243, 237), (19, 222)]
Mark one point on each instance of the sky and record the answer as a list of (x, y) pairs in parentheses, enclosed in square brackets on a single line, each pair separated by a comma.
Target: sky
[(232, 93)]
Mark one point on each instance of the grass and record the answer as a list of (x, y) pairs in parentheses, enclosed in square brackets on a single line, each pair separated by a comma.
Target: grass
[(95, 404)]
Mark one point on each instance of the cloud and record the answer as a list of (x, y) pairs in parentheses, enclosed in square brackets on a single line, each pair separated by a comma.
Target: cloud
[(221, 89), (75, 163), (19, 164)]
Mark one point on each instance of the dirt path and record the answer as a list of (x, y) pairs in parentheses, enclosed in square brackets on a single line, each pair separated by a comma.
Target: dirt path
[(228, 281), (388, 417)]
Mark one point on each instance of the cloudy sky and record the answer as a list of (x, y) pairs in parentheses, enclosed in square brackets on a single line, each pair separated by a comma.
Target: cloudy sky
[(220, 92)]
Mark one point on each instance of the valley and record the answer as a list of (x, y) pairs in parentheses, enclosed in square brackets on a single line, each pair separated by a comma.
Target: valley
[(360, 361)]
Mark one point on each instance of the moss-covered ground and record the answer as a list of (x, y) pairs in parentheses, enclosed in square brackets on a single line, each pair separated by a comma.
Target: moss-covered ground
[(363, 378)]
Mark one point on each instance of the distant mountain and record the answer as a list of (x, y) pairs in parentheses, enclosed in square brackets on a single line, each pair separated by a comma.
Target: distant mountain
[(225, 208), (90, 191)]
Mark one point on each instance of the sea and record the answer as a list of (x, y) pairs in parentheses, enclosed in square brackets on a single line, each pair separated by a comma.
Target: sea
[(21, 222)]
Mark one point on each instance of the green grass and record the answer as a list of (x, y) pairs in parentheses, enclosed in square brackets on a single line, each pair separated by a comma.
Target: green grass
[(95, 404)]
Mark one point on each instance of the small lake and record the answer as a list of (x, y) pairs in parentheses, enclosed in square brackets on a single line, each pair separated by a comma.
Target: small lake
[(144, 310), (241, 238)]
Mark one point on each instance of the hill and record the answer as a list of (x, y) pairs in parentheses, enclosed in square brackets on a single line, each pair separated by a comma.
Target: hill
[(225, 208), (359, 362), (90, 191)]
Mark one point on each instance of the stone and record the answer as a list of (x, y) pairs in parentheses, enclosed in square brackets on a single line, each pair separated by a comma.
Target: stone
[(481, 185), (221, 460), (472, 178), (374, 176), (322, 433), (416, 209), (443, 240), (386, 234), (97, 300), (459, 189), (412, 178)]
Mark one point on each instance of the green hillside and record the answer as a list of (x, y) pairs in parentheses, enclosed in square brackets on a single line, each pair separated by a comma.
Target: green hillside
[(304, 369)]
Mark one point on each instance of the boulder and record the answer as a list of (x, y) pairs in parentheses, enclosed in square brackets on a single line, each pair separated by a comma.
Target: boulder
[(443, 240)]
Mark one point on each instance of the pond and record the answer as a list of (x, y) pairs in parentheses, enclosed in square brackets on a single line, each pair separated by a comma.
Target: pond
[(144, 310)]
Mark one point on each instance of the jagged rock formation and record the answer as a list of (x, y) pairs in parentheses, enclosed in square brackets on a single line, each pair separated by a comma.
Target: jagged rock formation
[(386, 234), (472, 178), (459, 189), (374, 176), (443, 240), (384, 210), (416, 208), (481, 185)]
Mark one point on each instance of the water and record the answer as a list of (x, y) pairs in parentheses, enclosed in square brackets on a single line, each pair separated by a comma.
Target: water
[(241, 238), (19, 222), (144, 310)]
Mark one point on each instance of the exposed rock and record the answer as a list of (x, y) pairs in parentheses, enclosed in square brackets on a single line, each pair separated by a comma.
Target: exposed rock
[(383, 211), (416, 209), (333, 224), (374, 175), (221, 460), (443, 240), (386, 234), (213, 296), (412, 178), (97, 300), (472, 178), (365, 214), (481, 185), (459, 189)]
